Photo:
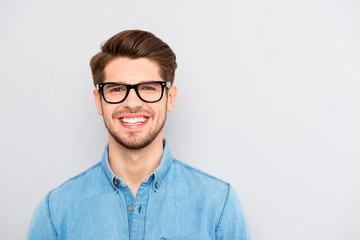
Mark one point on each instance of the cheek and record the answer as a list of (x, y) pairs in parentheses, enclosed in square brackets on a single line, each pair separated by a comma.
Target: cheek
[(108, 112), (158, 111), (162, 111), (163, 107)]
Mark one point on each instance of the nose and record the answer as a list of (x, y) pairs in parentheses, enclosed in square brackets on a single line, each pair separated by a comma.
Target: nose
[(132, 100)]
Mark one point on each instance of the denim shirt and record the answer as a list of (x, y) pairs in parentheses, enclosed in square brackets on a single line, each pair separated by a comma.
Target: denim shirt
[(176, 201)]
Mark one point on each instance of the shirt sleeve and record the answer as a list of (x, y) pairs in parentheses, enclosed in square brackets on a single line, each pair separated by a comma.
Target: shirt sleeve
[(232, 223), (41, 226)]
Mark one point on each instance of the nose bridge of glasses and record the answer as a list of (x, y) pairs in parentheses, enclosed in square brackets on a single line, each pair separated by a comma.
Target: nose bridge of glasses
[(131, 93)]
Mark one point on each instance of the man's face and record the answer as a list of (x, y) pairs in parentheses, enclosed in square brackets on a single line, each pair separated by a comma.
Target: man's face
[(133, 123)]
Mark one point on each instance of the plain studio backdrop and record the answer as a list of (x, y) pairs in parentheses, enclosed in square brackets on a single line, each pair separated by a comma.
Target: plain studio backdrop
[(268, 101)]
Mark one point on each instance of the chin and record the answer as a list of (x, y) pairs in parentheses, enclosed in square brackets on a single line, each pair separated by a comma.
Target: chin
[(134, 143)]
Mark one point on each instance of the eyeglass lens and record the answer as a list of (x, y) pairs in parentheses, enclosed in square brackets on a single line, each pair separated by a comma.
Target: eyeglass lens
[(148, 92)]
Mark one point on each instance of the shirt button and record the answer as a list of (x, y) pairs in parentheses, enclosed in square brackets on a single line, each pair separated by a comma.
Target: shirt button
[(156, 185), (116, 182), (131, 208)]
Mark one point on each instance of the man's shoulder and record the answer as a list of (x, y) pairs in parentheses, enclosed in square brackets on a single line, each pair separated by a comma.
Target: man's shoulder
[(205, 190), (201, 178), (79, 182)]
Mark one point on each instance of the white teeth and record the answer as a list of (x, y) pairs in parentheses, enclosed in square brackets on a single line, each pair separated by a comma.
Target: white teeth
[(133, 120)]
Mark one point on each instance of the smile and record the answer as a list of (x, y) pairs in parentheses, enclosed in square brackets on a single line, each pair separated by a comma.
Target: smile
[(133, 121)]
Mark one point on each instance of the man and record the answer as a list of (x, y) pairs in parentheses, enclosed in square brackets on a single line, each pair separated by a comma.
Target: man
[(138, 190)]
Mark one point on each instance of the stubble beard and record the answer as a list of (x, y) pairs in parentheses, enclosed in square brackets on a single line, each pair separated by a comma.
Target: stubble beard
[(135, 142)]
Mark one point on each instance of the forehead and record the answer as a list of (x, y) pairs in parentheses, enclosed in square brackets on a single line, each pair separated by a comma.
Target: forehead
[(132, 71)]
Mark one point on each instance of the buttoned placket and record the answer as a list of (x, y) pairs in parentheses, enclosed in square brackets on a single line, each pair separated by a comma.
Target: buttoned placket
[(136, 207)]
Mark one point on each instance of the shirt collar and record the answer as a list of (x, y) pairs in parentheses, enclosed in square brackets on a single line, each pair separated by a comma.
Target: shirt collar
[(158, 175), (161, 171)]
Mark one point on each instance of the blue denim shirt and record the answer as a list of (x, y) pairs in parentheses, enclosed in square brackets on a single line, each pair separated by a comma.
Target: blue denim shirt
[(176, 201)]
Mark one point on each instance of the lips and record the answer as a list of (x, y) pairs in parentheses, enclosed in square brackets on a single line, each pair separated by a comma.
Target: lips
[(133, 121)]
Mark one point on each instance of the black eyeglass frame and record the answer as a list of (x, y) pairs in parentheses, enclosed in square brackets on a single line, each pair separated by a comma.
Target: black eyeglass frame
[(100, 87)]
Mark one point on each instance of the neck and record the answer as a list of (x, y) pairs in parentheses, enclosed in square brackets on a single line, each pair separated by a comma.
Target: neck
[(134, 166)]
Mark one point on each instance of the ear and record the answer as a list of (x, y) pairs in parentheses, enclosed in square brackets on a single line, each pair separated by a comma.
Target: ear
[(97, 98), (172, 92)]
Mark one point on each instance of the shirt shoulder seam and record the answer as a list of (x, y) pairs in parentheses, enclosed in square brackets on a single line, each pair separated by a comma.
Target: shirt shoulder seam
[(199, 171), (78, 176), (223, 209)]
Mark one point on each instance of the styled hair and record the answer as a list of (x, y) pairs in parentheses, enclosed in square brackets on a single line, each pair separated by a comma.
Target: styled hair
[(134, 44)]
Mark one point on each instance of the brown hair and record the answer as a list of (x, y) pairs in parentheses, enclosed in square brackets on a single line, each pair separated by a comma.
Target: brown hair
[(134, 44)]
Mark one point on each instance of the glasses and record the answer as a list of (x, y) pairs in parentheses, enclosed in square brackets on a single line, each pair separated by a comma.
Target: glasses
[(150, 92)]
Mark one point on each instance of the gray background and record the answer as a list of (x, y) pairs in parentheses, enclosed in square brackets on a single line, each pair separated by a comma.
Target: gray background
[(268, 100)]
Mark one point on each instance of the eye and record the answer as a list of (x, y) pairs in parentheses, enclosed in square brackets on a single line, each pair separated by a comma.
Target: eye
[(115, 89), (147, 88)]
